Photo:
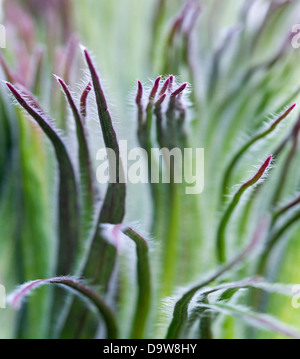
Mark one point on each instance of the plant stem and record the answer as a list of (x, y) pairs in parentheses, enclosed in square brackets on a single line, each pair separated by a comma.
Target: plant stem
[(144, 285)]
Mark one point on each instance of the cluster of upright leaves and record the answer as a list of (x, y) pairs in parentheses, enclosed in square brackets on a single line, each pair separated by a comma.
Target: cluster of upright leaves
[(235, 85), (76, 211)]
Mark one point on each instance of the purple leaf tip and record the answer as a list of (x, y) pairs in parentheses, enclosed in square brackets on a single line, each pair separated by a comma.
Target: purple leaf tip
[(260, 172), (155, 89), (83, 99), (160, 100), (171, 80), (179, 90), (164, 87)]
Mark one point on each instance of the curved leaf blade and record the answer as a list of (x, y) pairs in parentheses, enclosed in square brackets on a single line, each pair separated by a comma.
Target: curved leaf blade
[(180, 313), (258, 320), (86, 177), (144, 283), (69, 224)]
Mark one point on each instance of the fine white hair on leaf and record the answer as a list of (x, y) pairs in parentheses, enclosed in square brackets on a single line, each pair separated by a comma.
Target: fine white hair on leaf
[(250, 174), (114, 235), (107, 91), (23, 291), (48, 119), (166, 309)]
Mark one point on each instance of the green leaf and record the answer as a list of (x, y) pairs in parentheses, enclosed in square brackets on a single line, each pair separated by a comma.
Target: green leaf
[(257, 320), (249, 144), (100, 259), (86, 176), (274, 239), (221, 241), (69, 224), (180, 313), (18, 296), (114, 204), (144, 285)]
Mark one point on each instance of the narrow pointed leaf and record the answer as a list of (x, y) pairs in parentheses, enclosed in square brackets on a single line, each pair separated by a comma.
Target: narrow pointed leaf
[(287, 208), (257, 320), (85, 165), (249, 144), (221, 244), (114, 203), (101, 255), (274, 239), (144, 285), (83, 100), (154, 89), (68, 205), (180, 313), (179, 90), (165, 87), (81, 290)]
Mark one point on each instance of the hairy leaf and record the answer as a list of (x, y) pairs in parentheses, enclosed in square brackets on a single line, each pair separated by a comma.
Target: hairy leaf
[(111, 326), (69, 225)]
